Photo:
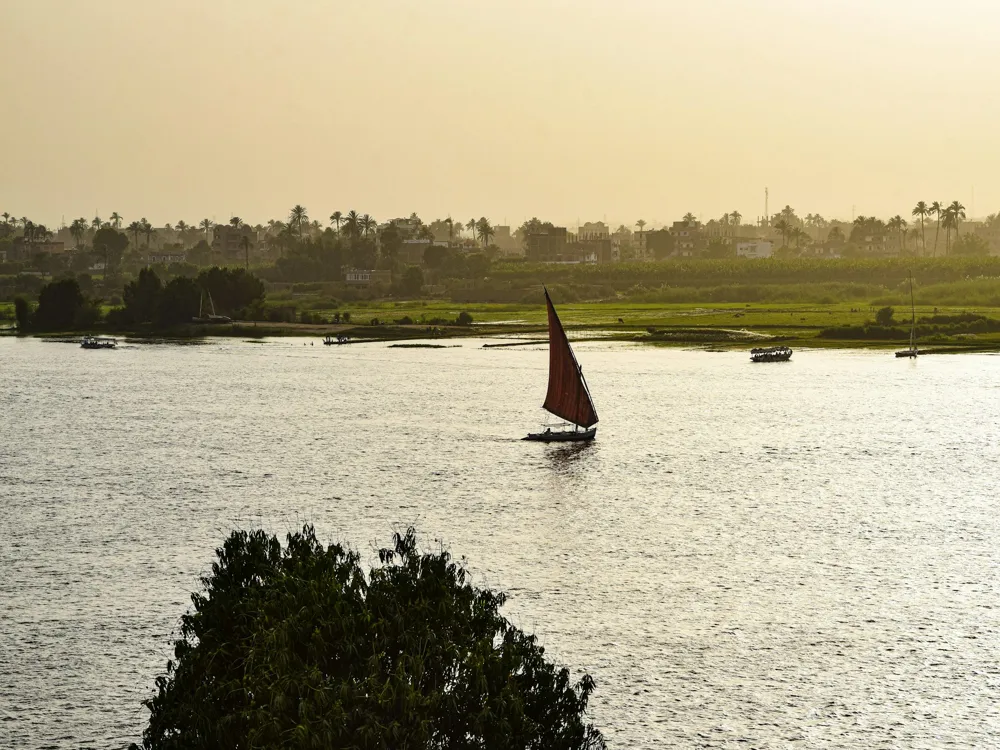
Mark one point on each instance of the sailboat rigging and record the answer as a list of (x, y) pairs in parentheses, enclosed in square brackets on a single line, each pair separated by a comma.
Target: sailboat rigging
[(568, 396), (912, 351)]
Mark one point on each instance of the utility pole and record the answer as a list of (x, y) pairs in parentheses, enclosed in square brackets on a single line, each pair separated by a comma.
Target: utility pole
[(767, 213)]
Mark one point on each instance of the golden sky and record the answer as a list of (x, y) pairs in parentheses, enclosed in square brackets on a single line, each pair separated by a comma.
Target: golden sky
[(591, 109)]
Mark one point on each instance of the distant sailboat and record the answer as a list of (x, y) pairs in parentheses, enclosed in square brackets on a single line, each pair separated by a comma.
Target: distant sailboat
[(568, 396), (912, 351)]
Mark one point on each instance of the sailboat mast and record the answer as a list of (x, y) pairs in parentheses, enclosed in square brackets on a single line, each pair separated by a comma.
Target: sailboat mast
[(913, 316)]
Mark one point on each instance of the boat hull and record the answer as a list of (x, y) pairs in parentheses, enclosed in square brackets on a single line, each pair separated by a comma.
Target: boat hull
[(909, 354), (562, 436)]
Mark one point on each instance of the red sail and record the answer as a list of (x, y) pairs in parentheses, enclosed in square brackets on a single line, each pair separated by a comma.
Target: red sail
[(568, 396)]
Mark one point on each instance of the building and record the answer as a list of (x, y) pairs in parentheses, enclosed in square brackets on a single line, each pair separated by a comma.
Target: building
[(547, 246), (227, 240), (689, 239), (165, 258), (358, 277), (505, 242), (593, 229), (595, 248), (656, 243), (754, 249)]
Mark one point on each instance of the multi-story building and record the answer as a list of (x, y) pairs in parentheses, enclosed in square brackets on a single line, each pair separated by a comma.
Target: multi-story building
[(227, 240), (505, 242), (688, 237), (546, 246)]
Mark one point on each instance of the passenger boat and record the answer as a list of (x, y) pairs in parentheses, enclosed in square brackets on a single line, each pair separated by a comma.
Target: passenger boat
[(341, 338), (771, 354), (98, 342), (568, 396), (912, 351)]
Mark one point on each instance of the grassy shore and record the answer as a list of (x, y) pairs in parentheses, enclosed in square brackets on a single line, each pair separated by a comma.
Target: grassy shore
[(724, 325)]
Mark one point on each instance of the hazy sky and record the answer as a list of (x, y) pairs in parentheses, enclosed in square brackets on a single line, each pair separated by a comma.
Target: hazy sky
[(617, 109)]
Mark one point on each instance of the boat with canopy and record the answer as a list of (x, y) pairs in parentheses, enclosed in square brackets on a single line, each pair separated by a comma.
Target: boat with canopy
[(568, 396)]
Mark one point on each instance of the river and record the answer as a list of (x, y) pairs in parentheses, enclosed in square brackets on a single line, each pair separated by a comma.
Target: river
[(767, 556)]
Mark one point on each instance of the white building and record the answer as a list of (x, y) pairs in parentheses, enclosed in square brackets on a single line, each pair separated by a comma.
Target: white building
[(754, 249)]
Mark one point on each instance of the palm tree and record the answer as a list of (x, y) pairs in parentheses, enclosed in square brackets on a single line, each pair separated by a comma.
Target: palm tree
[(367, 224), (236, 222), (948, 220), (484, 231), (938, 210), (641, 223), (923, 211), (296, 216), (957, 213), (735, 217), (207, 225), (245, 244), (147, 229), (689, 218), (335, 218), (471, 226), (96, 223), (135, 228), (785, 228), (181, 227), (451, 229), (898, 225), (77, 229), (352, 223), (116, 219)]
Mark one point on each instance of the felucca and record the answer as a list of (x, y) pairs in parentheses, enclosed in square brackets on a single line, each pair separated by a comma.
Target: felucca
[(568, 396)]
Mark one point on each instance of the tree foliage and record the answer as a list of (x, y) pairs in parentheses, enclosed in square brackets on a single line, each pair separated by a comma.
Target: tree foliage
[(296, 647)]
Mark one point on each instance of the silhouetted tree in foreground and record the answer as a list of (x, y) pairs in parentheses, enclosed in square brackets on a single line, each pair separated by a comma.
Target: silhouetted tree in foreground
[(296, 647)]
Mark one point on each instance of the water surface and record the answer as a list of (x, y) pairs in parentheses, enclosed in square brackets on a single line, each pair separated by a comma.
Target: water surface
[(767, 556)]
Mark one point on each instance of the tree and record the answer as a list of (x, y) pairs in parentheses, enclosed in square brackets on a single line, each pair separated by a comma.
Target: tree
[(148, 230), (110, 244), (352, 224), (116, 220), (938, 210), (971, 244), (484, 231), (736, 217), (367, 225), (641, 223), (782, 226), (955, 212), (142, 297), (295, 647), (391, 242), (335, 218), (206, 225), (297, 216), (236, 222), (78, 229), (412, 282), (884, 316), (435, 256), (922, 210), (689, 218), (179, 302), (245, 246), (61, 306), (471, 226), (898, 225)]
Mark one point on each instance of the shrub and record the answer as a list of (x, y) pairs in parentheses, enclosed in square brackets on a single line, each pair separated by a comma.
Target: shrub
[(296, 647), (463, 319)]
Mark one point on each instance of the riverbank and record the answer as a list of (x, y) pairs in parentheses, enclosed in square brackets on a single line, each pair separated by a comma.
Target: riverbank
[(966, 329)]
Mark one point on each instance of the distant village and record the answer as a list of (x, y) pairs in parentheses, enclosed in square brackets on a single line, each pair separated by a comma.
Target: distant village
[(931, 230)]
